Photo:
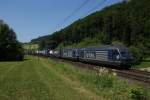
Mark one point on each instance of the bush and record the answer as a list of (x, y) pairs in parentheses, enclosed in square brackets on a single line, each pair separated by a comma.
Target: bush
[(137, 54), (137, 94), (10, 48), (117, 43)]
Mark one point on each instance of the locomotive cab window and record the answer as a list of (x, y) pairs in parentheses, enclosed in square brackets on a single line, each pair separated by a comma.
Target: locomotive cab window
[(126, 55), (123, 53)]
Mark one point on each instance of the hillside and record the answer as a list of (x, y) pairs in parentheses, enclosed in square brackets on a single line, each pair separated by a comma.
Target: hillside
[(125, 23), (27, 46)]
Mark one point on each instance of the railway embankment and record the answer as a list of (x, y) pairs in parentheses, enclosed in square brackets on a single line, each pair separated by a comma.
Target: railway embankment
[(104, 80)]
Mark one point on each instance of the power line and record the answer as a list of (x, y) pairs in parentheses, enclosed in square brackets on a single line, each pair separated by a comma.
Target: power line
[(95, 7), (80, 7), (75, 11)]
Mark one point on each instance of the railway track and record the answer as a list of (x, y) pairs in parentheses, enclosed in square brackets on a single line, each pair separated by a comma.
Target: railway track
[(141, 76), (133, 74)]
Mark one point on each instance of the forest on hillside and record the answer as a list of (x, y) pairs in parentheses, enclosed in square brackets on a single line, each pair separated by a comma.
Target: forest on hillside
[(126, 23)]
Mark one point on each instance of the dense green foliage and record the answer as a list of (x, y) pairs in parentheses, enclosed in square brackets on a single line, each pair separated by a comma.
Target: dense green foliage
[(145, 65), (126, 22), (10, 48)]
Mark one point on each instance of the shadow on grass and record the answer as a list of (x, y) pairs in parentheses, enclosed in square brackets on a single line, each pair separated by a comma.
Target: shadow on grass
[(25, 59)]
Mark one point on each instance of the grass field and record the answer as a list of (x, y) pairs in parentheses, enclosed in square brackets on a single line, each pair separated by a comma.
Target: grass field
[(45, 79), (36, 79)]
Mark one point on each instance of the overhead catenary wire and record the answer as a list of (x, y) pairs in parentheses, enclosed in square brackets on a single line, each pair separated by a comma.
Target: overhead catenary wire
[(74, 11), (80, 7), (96, 7)]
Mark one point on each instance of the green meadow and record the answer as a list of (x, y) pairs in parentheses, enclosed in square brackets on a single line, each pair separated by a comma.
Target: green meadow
[(47, 79)]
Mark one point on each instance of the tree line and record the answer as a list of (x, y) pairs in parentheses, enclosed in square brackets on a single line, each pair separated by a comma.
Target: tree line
[(10, 48)]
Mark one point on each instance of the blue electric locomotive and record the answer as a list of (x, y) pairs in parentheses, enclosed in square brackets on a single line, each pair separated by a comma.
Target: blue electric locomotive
[(107, 55)]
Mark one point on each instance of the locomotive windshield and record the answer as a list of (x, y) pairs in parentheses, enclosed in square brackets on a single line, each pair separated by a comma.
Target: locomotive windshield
[(126, 54)]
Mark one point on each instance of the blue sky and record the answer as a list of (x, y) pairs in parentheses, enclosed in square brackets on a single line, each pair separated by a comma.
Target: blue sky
[(33, 18)]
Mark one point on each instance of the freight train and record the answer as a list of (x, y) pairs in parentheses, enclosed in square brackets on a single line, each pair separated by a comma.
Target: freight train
[(107, 55)]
